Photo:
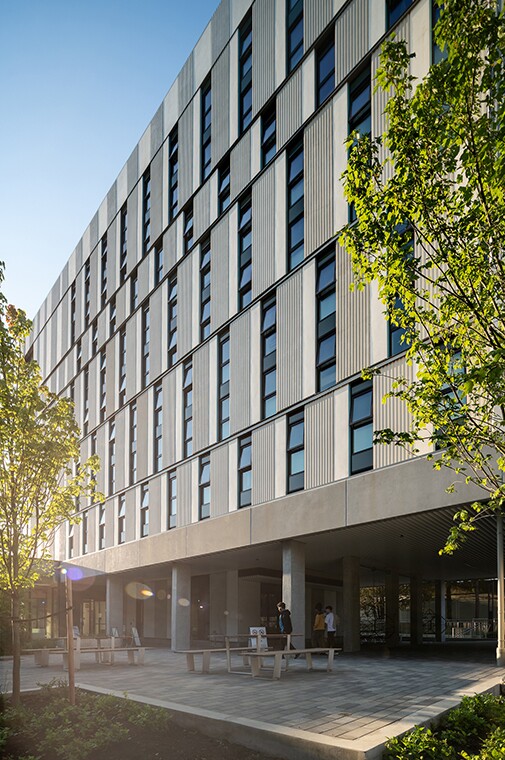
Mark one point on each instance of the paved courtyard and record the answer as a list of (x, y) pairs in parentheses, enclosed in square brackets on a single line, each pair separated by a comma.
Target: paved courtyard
[(348, 713)]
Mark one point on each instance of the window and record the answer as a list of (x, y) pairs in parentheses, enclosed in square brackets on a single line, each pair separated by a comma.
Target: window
[(146, 211), (359, 113), (103, 274), (204, 488), (172, 321), (94, 337), (134, 291), (101, 527), (326, 329), (122, 367), (453, 398), (112, 316), (123, 248), (296, 229), (112, 456), (396, 332), (361, 426), (133, 443), (269, 357), (437, 54), (245, 252), (224, 185), (206, 130), (158, 428), (85, 532), (72, 313), (244, 472), (395, 9), (146, 330), (224, 387), (296, 451), (173, 173), (245, 73), (205, 255), (188, 229), (325, 70), (103, 385), (187, 394), (86, 402), (294, 12), (144, 511), (93, 444), (70, 541), (121, 519), (158, 262), (78, 356), (87, 294), (172, 499), (268, 134)]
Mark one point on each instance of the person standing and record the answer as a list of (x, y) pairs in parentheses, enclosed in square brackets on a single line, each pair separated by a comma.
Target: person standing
[(284, 621), (330, 625), (318, 626)]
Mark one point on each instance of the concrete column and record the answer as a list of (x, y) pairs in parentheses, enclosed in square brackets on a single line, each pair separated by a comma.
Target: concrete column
[(181, 607), (416, 611), (351, 604), (232, 602), (440, 610), (114, 612), (293, 584), (392, 608)]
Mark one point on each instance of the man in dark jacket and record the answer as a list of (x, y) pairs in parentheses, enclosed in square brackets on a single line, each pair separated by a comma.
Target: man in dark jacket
[(285, 624)]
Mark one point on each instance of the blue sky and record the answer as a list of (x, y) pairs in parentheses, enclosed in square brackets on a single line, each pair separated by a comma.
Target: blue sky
[(79, 82)]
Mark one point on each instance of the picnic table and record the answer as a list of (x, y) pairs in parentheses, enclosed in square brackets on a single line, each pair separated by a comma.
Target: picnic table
[(104, 649)]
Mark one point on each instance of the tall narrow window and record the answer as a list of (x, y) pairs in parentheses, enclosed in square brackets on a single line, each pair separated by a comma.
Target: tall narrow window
[(325, 70), (244, 472), (144, 511), (85, 532), (103, 385), (70, 541), (94, 337), (361, 426), (78, 356), (172, 499), (85, 425), (395, 9), (121, 520), (205, 275), (294, 11), (224, 185), (146, 332), (245, 252), (112, 316), (103, 272), (172, 321), (296, 225), (204, 488), (158, 428), (158, 262), (134, 291), (269, 358), (206, 129), (296, 451), (72, 313), (245, 73), (437, 54), (112, 456), (188, 229), (122, 366), (268, 134), (326, 327), (187, 394), (133, 443), (123, 246), (173, 173), (397, 342), (359, 112), (146, 211), (224, 386), (87, 294), (101, 527)]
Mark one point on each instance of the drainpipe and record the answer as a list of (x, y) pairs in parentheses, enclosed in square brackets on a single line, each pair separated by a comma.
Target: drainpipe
[(500, 649)]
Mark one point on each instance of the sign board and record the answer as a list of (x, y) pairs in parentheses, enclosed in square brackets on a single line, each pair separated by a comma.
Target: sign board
[(136, 637), (115, 633), (258, 630), (76, 632)]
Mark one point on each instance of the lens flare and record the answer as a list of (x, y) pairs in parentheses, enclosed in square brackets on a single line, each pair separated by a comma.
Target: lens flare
[(137, 590)]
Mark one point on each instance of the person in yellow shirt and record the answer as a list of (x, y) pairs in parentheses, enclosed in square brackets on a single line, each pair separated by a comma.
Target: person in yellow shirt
[(318, 626)]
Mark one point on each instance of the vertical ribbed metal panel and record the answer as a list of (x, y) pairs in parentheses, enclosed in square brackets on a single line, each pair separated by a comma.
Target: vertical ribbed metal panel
[(184, 305), (157, 130), (263, 464), (289, 108), (289, 341), (263, 19), (220, 27), (202, 210), (240, 165), (219, 478), (263, 242), (240, 372), (316, 15), (351, 38), (221, 106), (132, 172), (219, 273), (393, 414), (186, 155), (319, 188), (112, 203), (186, 82), (201, 397), (170, 246), (319, 442), (353, 321), (184, 491), (169, 430)]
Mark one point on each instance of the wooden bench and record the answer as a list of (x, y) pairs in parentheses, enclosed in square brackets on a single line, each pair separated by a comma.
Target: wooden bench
[(206, 655), (103, 655), (278, 655), (41, 656)]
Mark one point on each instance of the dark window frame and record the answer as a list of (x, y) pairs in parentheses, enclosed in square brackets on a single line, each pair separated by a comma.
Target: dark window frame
[(295, 479), (204, 486), (361, 459), (325, 324), (295, 209), (245, 252), (244, 468)]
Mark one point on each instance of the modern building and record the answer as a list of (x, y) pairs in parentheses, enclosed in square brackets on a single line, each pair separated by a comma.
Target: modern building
[(205, 329)]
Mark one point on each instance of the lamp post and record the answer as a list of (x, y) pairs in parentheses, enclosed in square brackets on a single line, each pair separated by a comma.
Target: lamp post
[(70, 636)]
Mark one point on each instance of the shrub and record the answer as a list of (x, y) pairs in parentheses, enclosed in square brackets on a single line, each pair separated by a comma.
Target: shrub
[(419, 744), (466, 727)]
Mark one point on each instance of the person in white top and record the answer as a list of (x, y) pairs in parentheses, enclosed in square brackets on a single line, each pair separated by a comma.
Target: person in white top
[(330, 625)]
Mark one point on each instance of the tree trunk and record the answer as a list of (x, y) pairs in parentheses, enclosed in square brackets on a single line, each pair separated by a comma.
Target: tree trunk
[(16, 647)]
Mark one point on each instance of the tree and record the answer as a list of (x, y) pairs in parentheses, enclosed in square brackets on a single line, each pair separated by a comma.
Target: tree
[(429, 203), (40, 478)]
